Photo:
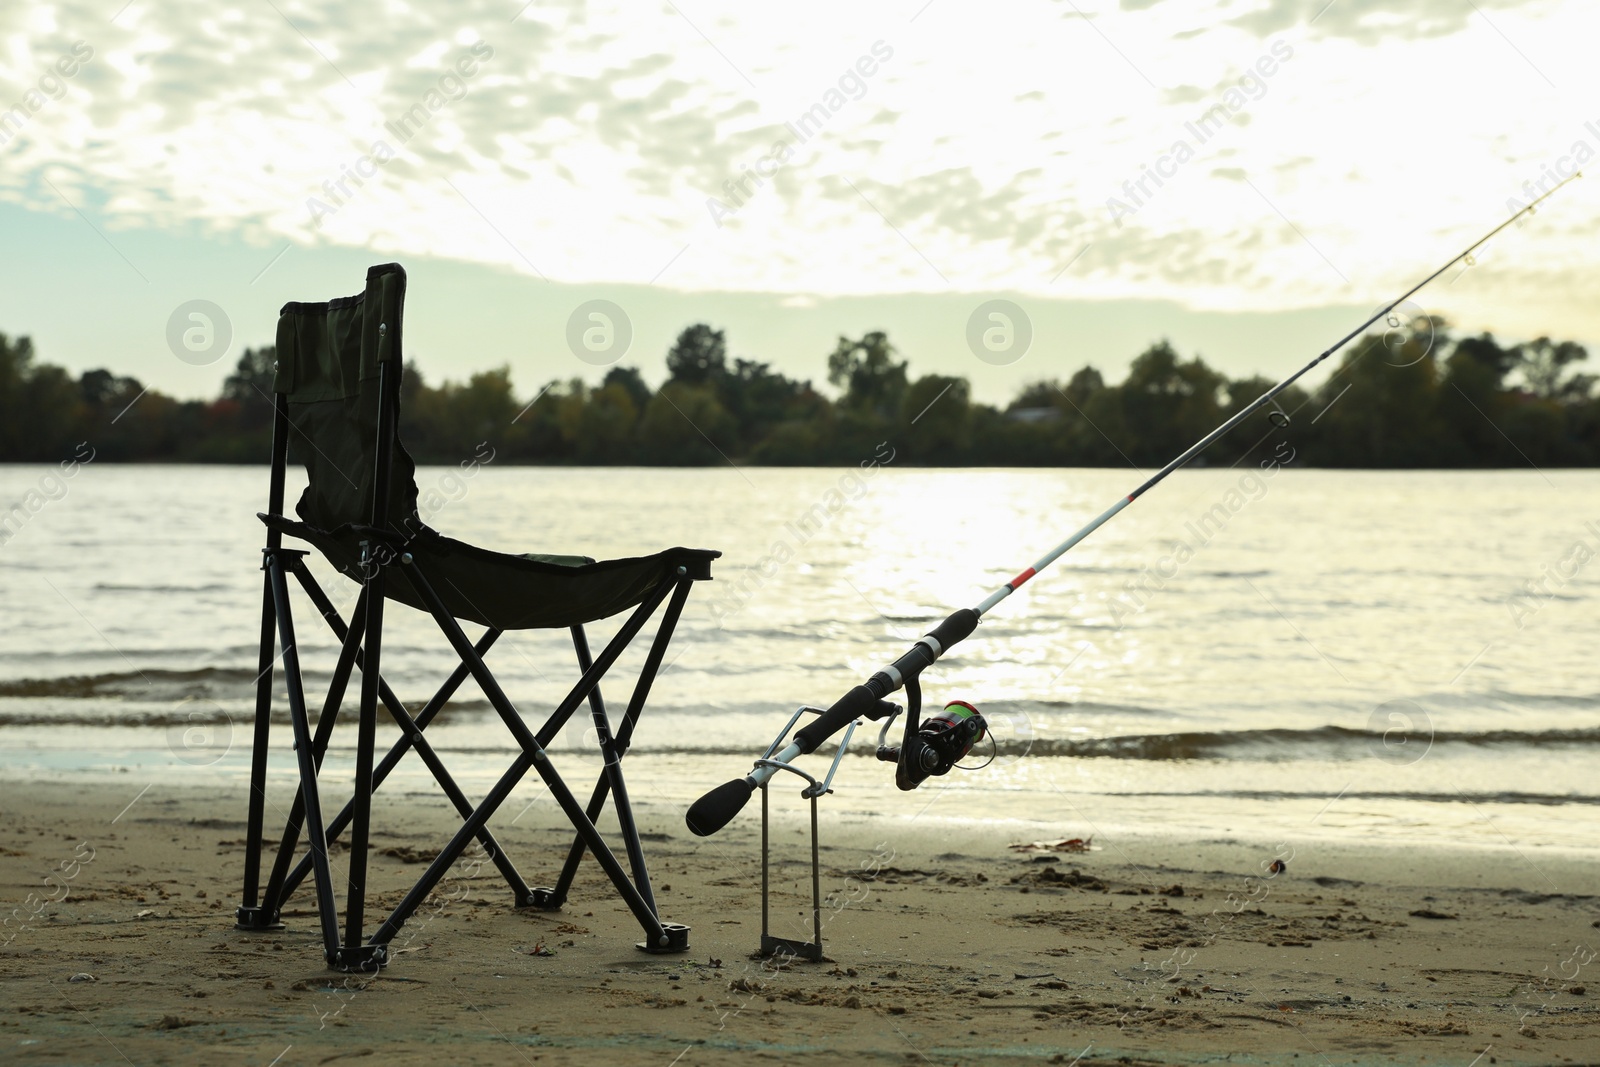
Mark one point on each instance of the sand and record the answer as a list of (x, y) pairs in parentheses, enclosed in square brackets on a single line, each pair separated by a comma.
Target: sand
[(945, 945)]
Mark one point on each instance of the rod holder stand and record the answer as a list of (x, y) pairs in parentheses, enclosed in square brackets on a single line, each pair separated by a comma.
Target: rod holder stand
[(787, 946)]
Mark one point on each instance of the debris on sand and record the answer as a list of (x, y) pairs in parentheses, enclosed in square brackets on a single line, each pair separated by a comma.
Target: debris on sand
[(1071, 844), (408, 854), (1051, 877)]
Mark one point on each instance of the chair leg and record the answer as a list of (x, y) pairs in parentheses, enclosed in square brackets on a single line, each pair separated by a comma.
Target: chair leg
[(353, 955), (412, 737), (250, 915), (659, 937), (304, 754), (278, 889), (403, 911), (611, 771), (610, 782), (410, 734), (621, 739)]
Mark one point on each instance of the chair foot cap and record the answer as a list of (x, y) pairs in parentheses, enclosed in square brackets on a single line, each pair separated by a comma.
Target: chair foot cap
[(365, 959), (256, 920), (674, 938), (542, 897)]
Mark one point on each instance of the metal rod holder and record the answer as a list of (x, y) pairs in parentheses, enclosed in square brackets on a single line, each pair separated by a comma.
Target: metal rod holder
[(785, 946)]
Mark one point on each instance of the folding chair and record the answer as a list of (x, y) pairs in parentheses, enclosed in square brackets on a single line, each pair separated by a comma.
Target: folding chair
[(337, 392)]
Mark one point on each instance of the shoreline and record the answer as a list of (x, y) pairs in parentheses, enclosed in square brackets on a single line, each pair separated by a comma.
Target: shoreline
[(944, 941), (1346, 808)]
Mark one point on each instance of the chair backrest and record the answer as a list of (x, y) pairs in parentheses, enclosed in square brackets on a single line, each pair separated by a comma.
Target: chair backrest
[(339, 369)]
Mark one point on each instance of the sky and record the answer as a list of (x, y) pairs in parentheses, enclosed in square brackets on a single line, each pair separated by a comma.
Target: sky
[(1248, 178)]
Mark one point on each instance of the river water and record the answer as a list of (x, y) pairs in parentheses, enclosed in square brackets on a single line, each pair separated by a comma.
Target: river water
[(1399, 657)]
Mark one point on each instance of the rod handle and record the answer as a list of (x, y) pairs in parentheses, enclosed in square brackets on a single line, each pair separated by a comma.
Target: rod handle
[(718, 807)]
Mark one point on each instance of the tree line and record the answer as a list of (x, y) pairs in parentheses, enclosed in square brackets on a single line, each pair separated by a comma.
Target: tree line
[(1392, 402)]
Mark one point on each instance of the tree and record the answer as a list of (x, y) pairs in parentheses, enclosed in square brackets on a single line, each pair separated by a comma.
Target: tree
[(447, 423), (937, 416), (631, 382), (1388, 417), (1264, 427), (1543, 363), (253, 376), (604, 430), (1481, 364), (535, 433), (249, 387), (1167, 404), (104, 399), (700, 354), (1472, 401), (867, 371), (1083, 384), (1417, 399), (41, 406), (758, 398), (685, 424), (1041, 394), (16, 364), (51, 414)]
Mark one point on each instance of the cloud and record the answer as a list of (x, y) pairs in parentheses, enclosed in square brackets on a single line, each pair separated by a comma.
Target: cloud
[(956, 202), (1368, 22), (589, 142), (184, 91), (1185, 94)]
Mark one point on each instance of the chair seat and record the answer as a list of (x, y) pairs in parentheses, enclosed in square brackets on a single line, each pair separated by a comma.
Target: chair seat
[(506, 591)]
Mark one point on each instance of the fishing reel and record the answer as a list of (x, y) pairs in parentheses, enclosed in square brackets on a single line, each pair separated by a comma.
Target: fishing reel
[(932, 747)]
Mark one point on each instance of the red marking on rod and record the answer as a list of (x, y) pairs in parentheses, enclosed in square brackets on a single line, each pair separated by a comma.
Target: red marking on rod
[(1016, 583)]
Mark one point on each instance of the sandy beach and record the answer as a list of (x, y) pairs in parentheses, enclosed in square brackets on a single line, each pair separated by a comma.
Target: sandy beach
[(945, 945)]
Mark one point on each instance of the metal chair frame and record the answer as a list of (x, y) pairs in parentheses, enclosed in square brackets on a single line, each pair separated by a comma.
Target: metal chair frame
[(361, 645)]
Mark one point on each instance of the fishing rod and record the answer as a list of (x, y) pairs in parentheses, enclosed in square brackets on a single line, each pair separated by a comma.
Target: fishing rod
[(933, 748)]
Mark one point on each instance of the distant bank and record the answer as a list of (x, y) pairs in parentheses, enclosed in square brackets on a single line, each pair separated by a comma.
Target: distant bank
[(1421, 399)]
